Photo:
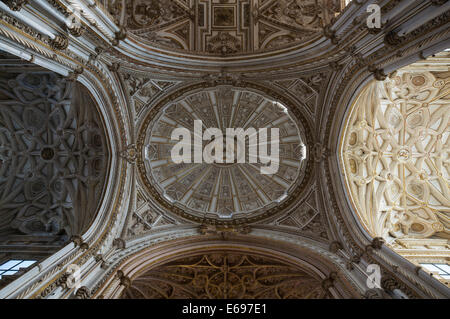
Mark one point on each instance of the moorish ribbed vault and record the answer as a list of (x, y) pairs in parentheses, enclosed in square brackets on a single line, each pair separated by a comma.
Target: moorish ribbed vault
[(53, 157), (395, 157), (396, 152)]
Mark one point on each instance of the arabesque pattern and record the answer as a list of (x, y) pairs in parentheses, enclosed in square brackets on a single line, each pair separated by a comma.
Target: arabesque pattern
[(396, 156), (226, 275)]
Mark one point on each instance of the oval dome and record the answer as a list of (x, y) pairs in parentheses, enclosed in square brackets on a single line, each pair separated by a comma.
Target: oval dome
[(233, 183)]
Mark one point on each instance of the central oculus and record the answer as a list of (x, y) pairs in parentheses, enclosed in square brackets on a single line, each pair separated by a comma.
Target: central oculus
[(225, 152)]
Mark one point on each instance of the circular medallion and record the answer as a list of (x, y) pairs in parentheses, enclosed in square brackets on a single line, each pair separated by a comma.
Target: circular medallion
[(222, 154)]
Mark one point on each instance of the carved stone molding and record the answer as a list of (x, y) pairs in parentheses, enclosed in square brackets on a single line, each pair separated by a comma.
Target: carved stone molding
[(59, 42), (119, 36), (374, 294), (227, 275), (16, 5), (78, 241), (83, 293), (328, 282), (62, 280), (319, 152), (76, 31), (330, 34), (114, 67), (376, 244), (124, 280), (130, 154), (119, 243), (223, 230), (335, 246), (73, 76)]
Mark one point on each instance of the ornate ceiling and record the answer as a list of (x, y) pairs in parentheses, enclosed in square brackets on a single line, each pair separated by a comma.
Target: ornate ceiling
[(223, 190), (224, 27), (226, 275), (396, 156), (152, 66), (53, 156)]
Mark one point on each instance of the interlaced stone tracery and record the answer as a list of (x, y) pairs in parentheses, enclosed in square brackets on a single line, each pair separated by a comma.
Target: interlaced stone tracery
[(226, 276), (53, 156), (396, 156), (224, 27)]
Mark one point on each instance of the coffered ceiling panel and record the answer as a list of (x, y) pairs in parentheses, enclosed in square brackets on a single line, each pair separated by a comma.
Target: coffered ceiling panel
[(229, 189), (223, 27)]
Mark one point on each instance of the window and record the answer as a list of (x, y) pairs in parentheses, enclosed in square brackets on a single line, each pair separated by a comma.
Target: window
[(11, 267), (443, 270)]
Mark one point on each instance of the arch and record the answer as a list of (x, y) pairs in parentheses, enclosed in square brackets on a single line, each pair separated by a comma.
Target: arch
[(89, 89), (55, 157), (320, 270), (392, 151)]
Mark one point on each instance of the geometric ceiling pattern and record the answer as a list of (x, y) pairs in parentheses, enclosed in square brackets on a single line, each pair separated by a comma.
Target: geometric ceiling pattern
[(53, 156), (223, 27), (156, 66), (232, 188), (395, 155), (226, 275)]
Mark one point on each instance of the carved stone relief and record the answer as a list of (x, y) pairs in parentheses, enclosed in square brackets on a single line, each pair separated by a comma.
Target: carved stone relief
[(306, 89), (142, 89), (53, 156), (226, 275), (306, 218), (395, 155), (223, 27), (223, 190), (145, 218)]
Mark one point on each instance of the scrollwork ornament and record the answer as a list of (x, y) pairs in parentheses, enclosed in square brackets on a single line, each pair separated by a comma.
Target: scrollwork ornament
[(59, 42), (83, 293), (16, 5), (130, 154)]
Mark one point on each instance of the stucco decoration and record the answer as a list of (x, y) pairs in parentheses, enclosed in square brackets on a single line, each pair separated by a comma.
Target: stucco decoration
[(221, 27), (226, 275), (224, 190), (53, 156), (395, 154)]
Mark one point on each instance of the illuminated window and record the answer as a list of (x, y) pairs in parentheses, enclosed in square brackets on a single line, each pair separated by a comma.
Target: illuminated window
[(443, 270), (11, 267)]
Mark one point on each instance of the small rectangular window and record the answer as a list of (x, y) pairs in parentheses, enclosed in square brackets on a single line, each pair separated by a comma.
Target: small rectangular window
[(443, 270), (11, 267), (9, 264)]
